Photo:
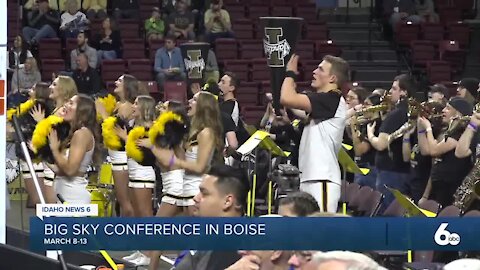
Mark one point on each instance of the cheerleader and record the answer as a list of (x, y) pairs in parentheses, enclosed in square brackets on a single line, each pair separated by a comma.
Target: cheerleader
[(168, 132), (73, 156), (62, 89), (114, 131), (38, 98), (205, 143)]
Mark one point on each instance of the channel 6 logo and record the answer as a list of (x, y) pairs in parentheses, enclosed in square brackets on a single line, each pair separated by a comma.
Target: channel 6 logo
[(443, 237)]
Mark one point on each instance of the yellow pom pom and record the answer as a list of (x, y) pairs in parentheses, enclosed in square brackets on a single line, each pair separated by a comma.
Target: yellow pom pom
[(109, 102), (158, 127), (22, 109), (133, 151), (42, 129), (110, 138)]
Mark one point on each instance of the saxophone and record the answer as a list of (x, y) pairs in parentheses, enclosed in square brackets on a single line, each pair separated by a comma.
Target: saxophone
[(469, 191)]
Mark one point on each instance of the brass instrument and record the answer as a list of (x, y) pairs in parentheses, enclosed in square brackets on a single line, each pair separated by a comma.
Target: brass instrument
[(364, 116), (415, 110), (469, 191), (460, 123)]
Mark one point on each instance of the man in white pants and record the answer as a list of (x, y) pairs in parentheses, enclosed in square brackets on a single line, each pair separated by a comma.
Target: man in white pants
[(322, 135)]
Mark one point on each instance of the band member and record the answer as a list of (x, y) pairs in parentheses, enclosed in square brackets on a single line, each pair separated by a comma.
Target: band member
[(326, 107), (126, 90), (75, 155), (448, 171), (392, 170)]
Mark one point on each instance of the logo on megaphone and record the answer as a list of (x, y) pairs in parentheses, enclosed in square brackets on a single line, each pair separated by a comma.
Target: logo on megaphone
[(276, 48), (194, 64)]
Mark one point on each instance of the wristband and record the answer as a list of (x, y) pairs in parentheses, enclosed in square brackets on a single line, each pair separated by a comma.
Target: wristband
[(172, 161), (472, 126), (421, 131), (291, 74), (428, 129), (406, 140)]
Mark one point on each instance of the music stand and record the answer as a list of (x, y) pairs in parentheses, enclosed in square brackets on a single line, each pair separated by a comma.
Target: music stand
[(348, 165), (259, 138)]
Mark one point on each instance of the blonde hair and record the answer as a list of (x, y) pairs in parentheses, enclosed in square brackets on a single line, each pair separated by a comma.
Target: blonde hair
[(327, 214), (33, 63), (146, 106), (67, 87), (352, 260)]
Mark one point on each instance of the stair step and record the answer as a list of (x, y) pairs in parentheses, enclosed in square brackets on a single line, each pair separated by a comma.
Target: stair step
[(356, 44), (352, 18), (356, 25), (374, 74), (363, 64), (371, 85), (348, 35), (364, 55)]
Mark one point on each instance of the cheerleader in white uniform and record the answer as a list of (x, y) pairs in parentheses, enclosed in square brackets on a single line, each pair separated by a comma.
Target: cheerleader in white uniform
[(73, 156), (205, 144), (114, 131)]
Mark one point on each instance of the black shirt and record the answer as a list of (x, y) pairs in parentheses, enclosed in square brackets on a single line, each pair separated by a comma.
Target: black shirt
[(392, 159), (51, 17), (107, 46), (87, 82), (449, 168), (228, 124), (368, 157)]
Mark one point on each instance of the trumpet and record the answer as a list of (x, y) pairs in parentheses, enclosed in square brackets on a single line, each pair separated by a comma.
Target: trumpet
[(415, 110), (367, 115), (461, 122)]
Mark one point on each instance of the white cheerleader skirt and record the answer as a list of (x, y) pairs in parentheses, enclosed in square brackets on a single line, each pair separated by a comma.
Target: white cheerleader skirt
[(118, 160), (140, 176), (73, 189)]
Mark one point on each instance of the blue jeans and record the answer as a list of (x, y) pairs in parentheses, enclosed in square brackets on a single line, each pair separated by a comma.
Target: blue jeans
[(369, 180), (107, 55), (32, 34), (396, 180), (211, 37)]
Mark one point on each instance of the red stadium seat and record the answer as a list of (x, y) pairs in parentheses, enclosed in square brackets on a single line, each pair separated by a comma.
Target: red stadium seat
[(152, 87), (112, 69), (324, 47), (130, 28), (226, 48), (433, 31), (243, 29), (459, 32), (282, 11), (406, 33), (438, 71), (448, 15), (133, 48), (449, 51), (252, 114), (423, 51), (307, 12), (241, 68), (236, 10), (316, 31), (305, 49), (153, 46), (247, 94), (249, 49), (175, 91), (50, 48), (258, 10), (260, 70), (142, 69), (50, 66)]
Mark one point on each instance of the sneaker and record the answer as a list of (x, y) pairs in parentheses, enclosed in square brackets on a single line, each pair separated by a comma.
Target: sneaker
[(132, 256), (142, 260)]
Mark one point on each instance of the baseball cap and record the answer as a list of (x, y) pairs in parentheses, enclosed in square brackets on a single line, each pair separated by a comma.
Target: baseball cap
[(471, 84)]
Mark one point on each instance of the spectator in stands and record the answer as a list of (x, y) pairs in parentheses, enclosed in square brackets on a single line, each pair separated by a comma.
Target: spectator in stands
[(108, 42), (95, 9), (181, 22), (223, 193), (298, 204), (263, 259), (426, 10), (169, 5), (438, 93), (169, 64), (86, 78), (342, 260), (154, 26), (82, 47), (41, 23), (399, 10), (125, 9), (211, 69), (468, 89), (217, 22), (73, 20), (25, 78), (17, 55), (61, 6)]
